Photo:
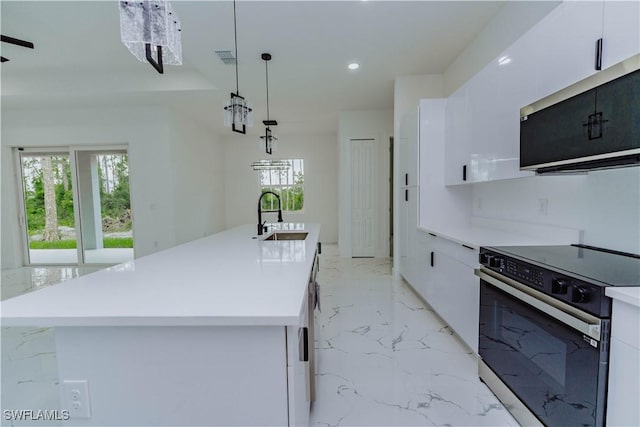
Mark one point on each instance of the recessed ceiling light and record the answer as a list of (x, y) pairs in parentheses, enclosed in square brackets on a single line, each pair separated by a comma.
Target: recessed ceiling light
[(353, 66)]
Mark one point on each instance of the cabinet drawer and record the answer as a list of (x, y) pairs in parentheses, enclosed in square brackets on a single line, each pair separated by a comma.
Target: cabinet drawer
[(463, 254)]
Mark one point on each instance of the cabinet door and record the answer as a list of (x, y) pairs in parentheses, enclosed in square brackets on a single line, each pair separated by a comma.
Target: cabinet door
[(411, 247), (621, 32), (408, 149), (402, 250), (565, 45), (457, 136), (455, 296)]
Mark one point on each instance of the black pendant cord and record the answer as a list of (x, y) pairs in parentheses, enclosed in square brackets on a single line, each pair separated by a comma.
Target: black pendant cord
[(235, 35), (266, 69)]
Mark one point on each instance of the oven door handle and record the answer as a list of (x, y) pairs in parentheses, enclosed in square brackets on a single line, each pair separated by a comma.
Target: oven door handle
[(583, 322)]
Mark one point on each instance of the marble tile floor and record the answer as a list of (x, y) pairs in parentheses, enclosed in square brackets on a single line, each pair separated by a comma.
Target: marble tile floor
[(384, 358), (28, 366)]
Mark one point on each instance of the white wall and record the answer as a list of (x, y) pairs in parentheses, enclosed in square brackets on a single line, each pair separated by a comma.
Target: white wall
[(378, 125), (605, 204), (197, 167), (409, 90), (242, 186), (513, 20), (154, 176)]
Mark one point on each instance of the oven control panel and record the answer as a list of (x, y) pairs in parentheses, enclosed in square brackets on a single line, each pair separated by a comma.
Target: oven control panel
[(586, 296)]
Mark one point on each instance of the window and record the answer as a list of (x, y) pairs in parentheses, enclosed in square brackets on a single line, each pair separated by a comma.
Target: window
[(285, 178)]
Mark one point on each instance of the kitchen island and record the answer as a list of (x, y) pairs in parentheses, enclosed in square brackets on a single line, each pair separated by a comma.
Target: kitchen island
[(212, 332)]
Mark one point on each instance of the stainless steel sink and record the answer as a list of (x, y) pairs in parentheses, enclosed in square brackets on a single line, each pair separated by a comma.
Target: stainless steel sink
[(287, 236)]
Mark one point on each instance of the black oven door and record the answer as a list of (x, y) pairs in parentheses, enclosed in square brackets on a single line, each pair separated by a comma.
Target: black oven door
[(557, 372)]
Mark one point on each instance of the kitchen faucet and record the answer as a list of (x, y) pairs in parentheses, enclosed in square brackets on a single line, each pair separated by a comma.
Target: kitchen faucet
[(260, 223)]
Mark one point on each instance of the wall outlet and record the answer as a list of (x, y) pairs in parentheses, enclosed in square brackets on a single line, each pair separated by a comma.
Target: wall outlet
[(75, 396), (543, 206)]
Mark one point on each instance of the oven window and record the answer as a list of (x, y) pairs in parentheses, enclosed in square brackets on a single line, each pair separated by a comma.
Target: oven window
[(528, 338), (551, 367)]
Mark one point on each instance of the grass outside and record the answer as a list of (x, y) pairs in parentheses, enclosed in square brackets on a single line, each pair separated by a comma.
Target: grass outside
[(107, 242)]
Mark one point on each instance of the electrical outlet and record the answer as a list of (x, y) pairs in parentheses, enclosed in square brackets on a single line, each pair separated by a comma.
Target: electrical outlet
[(76, 398), (543, 206)]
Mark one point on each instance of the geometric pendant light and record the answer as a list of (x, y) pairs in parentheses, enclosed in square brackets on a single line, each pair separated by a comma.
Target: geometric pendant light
[(269, 138), (150, 28), (238, 112)]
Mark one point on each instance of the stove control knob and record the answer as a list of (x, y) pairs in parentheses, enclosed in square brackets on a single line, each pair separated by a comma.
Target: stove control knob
[(580, 294), (495, 262), (559, 286), (484, 258)]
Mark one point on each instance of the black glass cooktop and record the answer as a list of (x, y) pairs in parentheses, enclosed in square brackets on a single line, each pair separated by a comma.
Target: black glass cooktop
[(608, 268)]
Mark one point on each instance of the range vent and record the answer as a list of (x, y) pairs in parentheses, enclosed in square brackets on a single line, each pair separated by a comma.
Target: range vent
[(226, 56)]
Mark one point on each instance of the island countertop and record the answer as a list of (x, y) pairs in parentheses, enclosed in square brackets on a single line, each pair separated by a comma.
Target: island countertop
[(229, 278)]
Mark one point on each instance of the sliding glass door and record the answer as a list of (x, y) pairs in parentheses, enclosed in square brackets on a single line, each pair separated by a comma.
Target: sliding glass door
[(49, 208), (76, 206), (105, 206)]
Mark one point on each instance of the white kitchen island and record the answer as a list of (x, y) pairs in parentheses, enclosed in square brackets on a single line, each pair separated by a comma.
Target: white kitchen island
[(211, 332)]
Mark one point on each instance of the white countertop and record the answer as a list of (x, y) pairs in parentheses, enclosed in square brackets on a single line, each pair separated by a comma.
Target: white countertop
[(628, 295), (486, 232), (229, 278)]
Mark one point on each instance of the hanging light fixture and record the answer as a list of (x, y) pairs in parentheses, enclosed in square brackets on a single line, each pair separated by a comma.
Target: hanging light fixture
[(270, 140), (238, 113), (149, 27)]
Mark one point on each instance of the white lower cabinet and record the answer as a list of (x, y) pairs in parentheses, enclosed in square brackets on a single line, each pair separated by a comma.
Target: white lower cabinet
[(624, 366), (297, 381), (444, 278), (455, 296)]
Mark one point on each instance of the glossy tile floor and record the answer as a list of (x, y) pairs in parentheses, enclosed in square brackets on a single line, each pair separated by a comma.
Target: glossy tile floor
[(28, 364), (385, 359)]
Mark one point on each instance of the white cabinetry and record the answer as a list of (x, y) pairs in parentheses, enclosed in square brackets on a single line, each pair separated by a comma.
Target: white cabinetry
[(408, 158), (621, 31), (565, 45), (483, 116), (624, 366), (452, 290)]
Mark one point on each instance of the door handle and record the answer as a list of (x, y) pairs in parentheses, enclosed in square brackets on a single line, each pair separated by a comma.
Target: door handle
[(432, 260), (406, 195), (464, 172), (303, 344), (406, 179), (598, 65)]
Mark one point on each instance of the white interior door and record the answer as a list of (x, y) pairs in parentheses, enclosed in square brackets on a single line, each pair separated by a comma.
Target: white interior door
[(364, 197)]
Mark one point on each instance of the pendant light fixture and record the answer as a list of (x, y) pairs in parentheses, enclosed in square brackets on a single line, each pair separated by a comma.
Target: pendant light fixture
[(149, 27), (269, 138), (238, 113)]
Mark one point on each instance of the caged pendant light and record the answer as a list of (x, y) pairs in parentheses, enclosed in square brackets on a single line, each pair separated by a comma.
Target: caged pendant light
[(238, 113), (270, 140), (149, 27)]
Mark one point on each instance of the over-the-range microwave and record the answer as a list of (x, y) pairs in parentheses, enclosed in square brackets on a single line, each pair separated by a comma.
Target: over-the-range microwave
[(593, 124)]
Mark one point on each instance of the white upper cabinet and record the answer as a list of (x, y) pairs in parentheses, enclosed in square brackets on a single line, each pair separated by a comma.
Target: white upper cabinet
[(565, 45), (408, 149), (483, 117), (621, 31)]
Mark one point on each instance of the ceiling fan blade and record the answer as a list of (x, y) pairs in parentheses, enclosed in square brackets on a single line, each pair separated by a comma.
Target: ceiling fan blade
[(15, 41)]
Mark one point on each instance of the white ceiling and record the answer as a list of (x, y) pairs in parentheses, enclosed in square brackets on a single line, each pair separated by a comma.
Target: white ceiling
[(79, 61)]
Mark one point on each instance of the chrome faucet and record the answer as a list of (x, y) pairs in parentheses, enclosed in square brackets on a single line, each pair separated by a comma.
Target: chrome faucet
[(260, 223)]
